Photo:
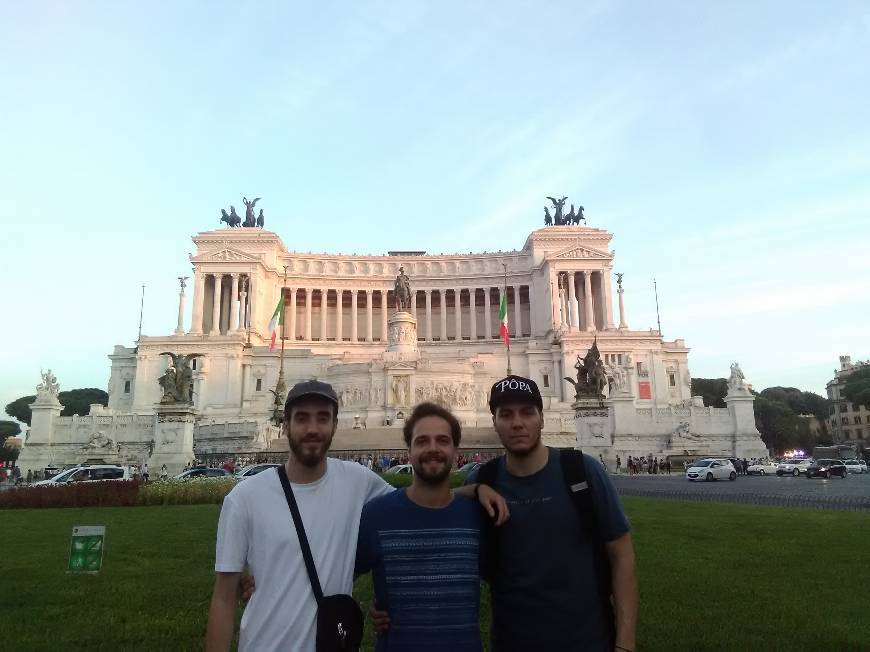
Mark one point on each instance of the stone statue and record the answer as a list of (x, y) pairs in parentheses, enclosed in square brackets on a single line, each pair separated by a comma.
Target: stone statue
[(99, 441), (619, 280), (579, 216), (737, 381), (558, 205), (249, 211), (261, 221), (49, 384), (231, 220), (177, 378), (591, 376), (548, 219), (620, 381), (234, 217), (402, 290)]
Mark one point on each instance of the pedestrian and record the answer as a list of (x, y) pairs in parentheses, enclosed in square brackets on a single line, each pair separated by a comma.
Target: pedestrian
[(581, 594), (422, 544), (330, 495), (164, 473), (601, 459), (145, 472), (668, 463), (29, 476), (618, 464)]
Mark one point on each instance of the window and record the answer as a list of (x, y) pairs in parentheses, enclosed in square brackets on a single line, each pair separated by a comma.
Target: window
[(259, 384), (546, 380), (847, 433), (833, 409), (672, 379), (126, 386), (857, 419), (844, 420), (193, 364)]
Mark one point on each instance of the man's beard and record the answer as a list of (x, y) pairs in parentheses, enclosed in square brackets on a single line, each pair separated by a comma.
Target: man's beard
[(306, 454), (432, 478)]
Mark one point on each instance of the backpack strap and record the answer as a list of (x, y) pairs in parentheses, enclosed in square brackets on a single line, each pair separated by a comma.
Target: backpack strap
[(488, 472)]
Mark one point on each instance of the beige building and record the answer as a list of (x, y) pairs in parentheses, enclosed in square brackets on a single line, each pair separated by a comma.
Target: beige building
[(850, 423)]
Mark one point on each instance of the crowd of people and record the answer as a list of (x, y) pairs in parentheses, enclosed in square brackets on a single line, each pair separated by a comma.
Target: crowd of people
[(644, 464)]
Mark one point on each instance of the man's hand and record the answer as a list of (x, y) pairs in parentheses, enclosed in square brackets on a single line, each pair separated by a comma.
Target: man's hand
[(493, 503), (247, 586), (380, 619)]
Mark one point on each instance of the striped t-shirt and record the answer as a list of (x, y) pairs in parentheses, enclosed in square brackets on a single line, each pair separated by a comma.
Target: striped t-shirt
[(425, 571)]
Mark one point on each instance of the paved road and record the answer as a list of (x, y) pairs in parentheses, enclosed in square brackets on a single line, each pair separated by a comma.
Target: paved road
[(835, 493)]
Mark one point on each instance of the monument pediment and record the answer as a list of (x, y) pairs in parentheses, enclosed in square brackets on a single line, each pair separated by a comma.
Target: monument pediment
[(579, 251), (224, 255)]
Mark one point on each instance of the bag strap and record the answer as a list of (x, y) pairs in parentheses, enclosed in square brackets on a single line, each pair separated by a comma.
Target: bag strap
[(300, 531)]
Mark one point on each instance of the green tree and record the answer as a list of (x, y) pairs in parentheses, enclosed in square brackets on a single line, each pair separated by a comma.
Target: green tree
[(857, 388), (74, 401), (9, 429), (712, 389), (777, 423)]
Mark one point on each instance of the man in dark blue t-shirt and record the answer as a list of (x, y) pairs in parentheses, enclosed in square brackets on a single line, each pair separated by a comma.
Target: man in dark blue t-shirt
[(545, 593), (422, 546)]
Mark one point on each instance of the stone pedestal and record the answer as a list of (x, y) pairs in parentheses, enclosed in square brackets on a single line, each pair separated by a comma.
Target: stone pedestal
[(37, 451), (402, 333), (594, 427), (746, 440), (173, 438)]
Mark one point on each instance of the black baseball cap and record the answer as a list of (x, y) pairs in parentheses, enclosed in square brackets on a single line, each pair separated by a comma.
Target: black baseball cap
[(515, 388), (311, 389)]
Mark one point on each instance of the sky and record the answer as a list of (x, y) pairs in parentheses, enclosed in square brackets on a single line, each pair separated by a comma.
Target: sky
[(725, 145)]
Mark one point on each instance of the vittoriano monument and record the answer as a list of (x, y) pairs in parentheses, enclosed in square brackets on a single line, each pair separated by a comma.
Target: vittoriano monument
[(559, 217), (175, 381), (232, 219)]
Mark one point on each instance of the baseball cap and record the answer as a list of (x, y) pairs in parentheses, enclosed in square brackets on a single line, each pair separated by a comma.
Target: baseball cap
[(515, 388), (311, 389)]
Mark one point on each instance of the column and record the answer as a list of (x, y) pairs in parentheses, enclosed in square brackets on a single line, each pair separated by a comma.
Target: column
[(572, 301), (587, 300), (243, 308), (457, 307), (324, 307), (622, 323), (442, 296), (428, 315), (384, 309), (518, 312), (608, 299), (234, 304), (558, 381), (487, 314), (339, 317), (291, 321), (369, 294), (198, 298), (216, 306), (353, 316), (414, 304), (179, 330), (309, 294), (252, 304), (563, 302), (472, 311)]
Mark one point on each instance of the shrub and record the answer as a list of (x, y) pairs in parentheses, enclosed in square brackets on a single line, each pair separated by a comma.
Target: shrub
[(186, 492), (106, 493)]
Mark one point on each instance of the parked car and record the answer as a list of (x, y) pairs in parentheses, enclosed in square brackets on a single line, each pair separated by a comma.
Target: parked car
[(762, 468), (853, 466), (793, 467), (471, 467), (400, 469), (88, 473), (827, 468), (863, 465), (253, 469), (203, 472), (711, 469)]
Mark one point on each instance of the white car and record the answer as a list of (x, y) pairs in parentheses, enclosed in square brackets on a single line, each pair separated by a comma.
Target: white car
[(88, 473), (793, 467), (762, 468), (711, 469), (854, 466), (400, 469), (254, 469), (863, 465)]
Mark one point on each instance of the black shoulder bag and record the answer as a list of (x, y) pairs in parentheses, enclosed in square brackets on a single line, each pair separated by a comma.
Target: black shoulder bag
[(339, 618)]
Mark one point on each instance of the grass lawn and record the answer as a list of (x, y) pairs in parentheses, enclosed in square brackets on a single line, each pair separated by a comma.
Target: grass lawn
[(712, 577)]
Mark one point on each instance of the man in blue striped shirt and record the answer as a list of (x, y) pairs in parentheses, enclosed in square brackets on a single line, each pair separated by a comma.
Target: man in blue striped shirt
[(422, 546)]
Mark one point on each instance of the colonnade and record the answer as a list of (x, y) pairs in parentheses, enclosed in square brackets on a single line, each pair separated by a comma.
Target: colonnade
[(222, 303), (584, 301)]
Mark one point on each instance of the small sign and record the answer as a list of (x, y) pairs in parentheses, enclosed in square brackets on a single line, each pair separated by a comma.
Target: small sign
[(644, 389), (86, 548)]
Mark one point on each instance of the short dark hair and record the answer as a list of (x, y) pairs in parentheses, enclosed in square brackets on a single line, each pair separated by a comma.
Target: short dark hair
[(288, 408), (428, 409)]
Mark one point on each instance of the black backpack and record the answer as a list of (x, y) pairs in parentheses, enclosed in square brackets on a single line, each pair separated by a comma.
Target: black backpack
[(581, 492)]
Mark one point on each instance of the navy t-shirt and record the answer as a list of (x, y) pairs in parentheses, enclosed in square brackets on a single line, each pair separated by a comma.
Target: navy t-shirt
[(544, 591), (425, 565)]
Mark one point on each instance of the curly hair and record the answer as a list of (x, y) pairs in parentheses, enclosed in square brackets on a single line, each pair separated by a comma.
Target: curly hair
[(429, 409)]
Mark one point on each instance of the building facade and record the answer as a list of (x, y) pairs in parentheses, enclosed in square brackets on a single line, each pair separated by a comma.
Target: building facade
[(849, 422)]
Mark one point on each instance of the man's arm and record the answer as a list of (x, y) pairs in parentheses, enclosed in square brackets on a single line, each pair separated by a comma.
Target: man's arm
[(492, 501), (222, 614), (620, 551)]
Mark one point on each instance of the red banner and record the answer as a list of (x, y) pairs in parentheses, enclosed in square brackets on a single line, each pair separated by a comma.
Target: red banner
[(644, 390)]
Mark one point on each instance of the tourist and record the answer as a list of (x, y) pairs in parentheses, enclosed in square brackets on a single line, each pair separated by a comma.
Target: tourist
[(601, 459), (548, 598), (428, 541), (330, 494), (145, 472), (29, 476), (618, 464), (164, 473)]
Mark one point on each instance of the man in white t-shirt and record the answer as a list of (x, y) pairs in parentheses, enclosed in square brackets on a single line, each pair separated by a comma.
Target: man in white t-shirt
[(256, 530)]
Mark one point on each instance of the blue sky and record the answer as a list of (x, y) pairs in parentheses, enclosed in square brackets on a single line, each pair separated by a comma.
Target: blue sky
[(726, 145)]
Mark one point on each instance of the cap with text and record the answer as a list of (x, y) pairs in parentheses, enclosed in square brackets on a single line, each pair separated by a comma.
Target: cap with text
[(515, 389)]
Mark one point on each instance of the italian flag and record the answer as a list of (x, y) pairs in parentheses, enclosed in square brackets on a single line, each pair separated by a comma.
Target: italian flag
[(276, 321), (502, 317)]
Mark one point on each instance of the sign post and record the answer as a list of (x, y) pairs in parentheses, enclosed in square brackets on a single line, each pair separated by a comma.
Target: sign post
[(86, 549)]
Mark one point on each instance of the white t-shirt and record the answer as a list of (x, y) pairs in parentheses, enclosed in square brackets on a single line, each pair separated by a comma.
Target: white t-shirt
[(256, 528)]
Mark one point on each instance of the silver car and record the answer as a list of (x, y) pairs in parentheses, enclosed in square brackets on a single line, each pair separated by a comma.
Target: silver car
[(710, 469)]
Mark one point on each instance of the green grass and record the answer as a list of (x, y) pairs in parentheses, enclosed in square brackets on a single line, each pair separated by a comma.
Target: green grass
[(712, 577)]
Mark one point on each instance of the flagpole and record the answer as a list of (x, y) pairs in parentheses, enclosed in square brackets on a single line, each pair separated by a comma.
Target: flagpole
[(141, 310), (281, 386), (507, 339)]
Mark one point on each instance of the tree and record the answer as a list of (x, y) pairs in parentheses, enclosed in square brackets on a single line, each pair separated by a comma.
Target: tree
[(777, 423), (712, 389), (9, 429), (799, 401), (857, 388), (74, 401)]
